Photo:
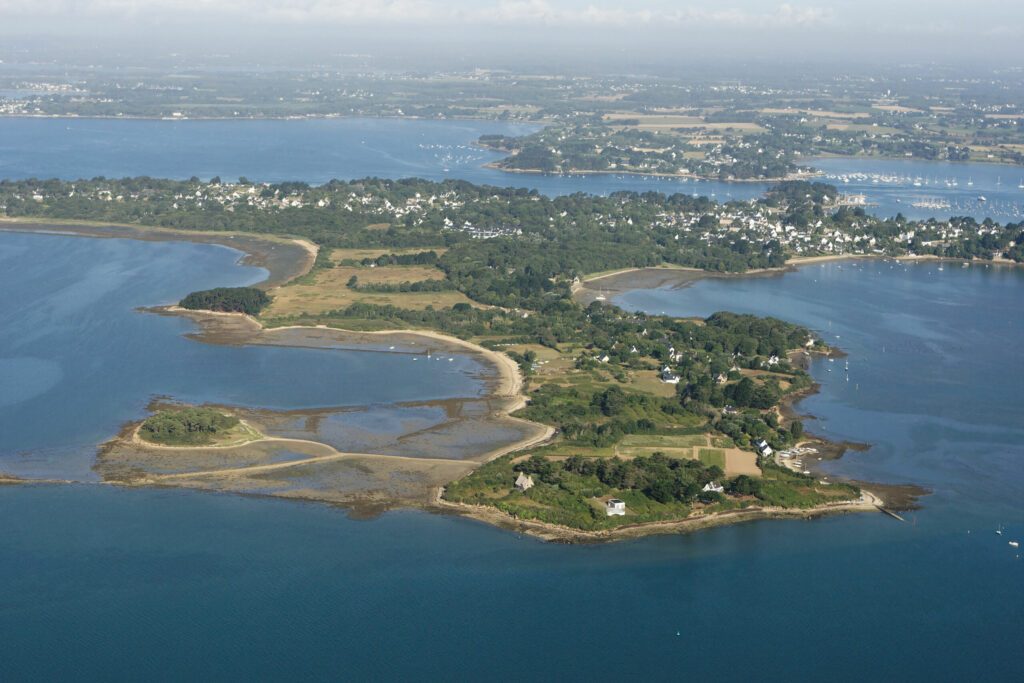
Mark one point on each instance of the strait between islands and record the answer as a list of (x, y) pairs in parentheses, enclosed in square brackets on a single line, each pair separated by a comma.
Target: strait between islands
[(296, 454)]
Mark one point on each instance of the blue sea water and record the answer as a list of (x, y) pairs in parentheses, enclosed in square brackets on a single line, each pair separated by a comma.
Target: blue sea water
[(317, 150), (115, 584), (932, 382), (112, 584)]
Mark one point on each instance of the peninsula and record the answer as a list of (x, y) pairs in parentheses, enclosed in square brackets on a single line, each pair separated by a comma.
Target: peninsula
[(602, 423)]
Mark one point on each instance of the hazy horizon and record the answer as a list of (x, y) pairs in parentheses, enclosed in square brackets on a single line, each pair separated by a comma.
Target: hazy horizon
[(506, 33)]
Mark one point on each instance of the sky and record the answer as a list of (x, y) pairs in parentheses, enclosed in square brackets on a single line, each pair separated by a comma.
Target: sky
[(983, 31)]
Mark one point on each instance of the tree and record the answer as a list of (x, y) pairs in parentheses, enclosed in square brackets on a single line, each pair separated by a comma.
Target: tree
[(742, 392), (248, 300), (660, 490), (612, 401)]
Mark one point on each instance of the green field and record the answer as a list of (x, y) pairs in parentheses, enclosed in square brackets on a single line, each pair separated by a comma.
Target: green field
[(712, 456)]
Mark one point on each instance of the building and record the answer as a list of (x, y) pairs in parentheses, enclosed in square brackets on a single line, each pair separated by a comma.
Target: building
[(524, 482), (669, 377), (763, 448), (615, 507), (713, 487)]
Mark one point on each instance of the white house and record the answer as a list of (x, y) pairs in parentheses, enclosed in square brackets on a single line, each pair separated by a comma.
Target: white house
[(763, 448), (713, 487), (669, 377), (524, 482), (615, 507)]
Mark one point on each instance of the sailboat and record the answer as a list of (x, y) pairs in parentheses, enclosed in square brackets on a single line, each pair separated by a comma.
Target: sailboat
[(999, 531), (970, 182), (600, 297)]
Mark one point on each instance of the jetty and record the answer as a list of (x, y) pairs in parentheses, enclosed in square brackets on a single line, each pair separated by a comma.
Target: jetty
[(890, 513)]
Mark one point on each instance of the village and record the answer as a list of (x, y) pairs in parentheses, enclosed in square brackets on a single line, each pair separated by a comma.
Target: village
[(831, 224)]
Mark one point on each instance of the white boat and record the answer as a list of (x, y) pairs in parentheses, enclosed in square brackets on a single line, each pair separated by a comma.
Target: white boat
[(999, 531), (1014, 544)]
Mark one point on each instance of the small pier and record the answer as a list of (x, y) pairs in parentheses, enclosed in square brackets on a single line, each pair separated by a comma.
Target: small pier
[(890, 513)]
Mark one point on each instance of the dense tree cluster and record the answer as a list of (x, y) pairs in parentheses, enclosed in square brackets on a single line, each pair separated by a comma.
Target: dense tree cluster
[(658, 477), (248, 300), (186, 426)]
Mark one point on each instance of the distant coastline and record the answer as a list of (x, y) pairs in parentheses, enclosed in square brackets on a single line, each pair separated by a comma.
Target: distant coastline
[(497, 166)]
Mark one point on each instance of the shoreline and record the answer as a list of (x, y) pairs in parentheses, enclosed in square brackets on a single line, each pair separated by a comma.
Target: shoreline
[(506, 388), (868, 502), (647, 277), (503, 387), (902, 496), (687, 176), (284, 258)]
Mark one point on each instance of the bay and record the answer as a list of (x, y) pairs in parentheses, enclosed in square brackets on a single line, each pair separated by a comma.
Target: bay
[(318, 150), (77, 360)]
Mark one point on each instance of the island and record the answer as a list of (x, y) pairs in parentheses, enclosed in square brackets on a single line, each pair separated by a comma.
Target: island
[(193, 426)]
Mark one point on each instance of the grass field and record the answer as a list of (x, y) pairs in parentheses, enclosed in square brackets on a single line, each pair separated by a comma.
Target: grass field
[(328, 290), (359, 254), (710, 449), (712, 456), (667, 122)]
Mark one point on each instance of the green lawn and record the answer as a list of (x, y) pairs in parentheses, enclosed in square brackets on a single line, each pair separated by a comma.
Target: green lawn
[(712, 456)]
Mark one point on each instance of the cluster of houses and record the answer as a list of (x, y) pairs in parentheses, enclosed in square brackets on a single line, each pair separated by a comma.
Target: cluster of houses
[(733, 223)]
